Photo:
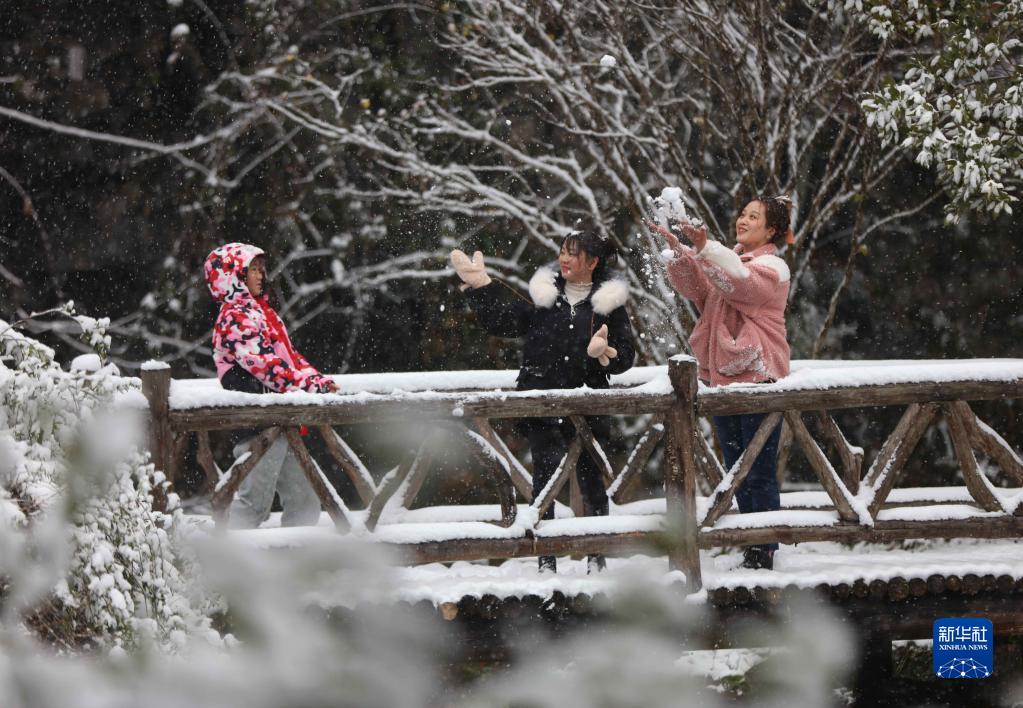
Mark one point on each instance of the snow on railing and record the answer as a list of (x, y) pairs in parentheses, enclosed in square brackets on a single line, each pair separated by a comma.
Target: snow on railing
[(861, 505)]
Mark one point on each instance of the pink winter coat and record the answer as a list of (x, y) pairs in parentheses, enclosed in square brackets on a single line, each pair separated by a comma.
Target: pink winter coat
[(740, 336), (248, 332)]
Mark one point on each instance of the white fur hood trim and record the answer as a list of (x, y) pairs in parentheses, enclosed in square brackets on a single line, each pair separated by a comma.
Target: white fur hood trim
[(610, 294), (732, 263), (542, 288)]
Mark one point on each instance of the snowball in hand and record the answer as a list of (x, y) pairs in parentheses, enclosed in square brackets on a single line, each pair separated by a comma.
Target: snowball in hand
[(669, 206), (608, 62)]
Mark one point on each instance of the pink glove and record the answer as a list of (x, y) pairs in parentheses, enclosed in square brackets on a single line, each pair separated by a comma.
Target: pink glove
[(599, 349), (472, 272)]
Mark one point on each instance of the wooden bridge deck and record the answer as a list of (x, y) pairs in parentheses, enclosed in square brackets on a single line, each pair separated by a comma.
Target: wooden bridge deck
[(875, 573)]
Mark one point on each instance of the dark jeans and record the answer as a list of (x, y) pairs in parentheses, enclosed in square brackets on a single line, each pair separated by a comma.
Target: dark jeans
[(759, 491), (548, 443)]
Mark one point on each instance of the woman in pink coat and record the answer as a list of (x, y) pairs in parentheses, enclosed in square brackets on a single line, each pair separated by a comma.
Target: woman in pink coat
[(740, 337)]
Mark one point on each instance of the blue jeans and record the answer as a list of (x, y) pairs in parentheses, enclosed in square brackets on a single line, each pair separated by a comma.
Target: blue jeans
[(759, 491)]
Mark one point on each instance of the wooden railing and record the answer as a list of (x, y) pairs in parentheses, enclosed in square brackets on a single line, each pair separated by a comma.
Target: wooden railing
[(859, 504)]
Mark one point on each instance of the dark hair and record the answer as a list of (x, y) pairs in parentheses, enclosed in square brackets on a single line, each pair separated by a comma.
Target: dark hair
[(778, 216), (596, 246), (270, 291), (245, 270)]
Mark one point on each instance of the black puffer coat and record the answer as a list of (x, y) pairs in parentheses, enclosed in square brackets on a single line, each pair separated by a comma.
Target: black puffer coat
[(557, 333)]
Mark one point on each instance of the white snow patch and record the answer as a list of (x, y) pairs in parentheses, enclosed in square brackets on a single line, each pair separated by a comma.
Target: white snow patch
[(90, 363), (670, 207), (477, 385), (719, 664)]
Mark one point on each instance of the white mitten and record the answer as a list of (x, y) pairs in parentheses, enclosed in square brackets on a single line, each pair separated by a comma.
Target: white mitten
[(472, 272), (599, 349)]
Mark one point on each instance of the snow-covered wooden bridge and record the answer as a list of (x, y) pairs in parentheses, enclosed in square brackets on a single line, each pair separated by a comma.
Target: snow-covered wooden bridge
[(697, 510)]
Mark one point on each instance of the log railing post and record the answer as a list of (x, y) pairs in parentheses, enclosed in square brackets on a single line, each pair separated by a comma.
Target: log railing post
[(156, 378), (680, 482)]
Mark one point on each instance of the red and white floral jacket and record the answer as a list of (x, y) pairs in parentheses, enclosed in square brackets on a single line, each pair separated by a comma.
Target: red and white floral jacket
[(248, 332)]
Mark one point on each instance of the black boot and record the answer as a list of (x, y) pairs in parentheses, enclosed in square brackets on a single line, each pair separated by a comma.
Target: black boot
[(595, 564), (755, 558), (547, 564)]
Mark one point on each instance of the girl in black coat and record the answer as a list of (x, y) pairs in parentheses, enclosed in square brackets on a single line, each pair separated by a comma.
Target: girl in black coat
[(577, 334)]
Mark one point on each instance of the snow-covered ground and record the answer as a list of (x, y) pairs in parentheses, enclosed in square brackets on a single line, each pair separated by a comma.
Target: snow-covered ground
[(805, 565), (479, 521)]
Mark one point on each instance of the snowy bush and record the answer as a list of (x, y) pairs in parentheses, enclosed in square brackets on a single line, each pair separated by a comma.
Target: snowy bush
[(88, 561)]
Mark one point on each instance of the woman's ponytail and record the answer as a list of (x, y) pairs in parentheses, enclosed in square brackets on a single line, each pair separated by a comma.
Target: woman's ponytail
[(590, 241), (778, 216)]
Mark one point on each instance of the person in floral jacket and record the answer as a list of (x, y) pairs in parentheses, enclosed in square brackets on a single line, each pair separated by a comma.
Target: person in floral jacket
[(253, 354)]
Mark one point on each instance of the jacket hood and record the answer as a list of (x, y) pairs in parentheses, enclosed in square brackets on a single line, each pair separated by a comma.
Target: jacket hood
[(608, 294), (226, 268)]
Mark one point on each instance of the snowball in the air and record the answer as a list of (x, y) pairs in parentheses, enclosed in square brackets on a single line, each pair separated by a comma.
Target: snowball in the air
[(608, 61), (175, 3), (180, 31), (670, 206)]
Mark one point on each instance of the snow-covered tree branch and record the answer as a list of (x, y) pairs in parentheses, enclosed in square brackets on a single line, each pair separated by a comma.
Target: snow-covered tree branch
[(958, 104), (552, 116)]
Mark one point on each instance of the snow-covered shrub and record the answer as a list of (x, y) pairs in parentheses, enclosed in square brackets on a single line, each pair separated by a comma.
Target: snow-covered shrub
[(86, 559)]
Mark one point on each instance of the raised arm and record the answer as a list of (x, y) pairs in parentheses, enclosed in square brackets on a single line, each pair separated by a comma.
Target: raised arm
[(684, 274), (745, 285), (687, 277), (500, 310)]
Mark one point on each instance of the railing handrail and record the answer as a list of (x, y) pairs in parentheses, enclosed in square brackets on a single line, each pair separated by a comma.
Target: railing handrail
[(813, 386), (732, 402), (338, 411), (673, 395)]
